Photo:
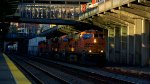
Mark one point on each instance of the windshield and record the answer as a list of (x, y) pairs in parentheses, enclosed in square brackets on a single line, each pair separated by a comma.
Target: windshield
[(87, 36), (65, 39)]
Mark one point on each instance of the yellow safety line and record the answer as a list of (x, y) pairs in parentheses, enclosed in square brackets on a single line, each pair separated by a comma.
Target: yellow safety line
[(17, 74)]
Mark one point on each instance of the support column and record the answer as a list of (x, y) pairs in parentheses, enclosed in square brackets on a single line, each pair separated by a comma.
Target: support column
[(111, 45), (108, 47), (123, 41), (5, 45), (138, 40), (42, 16), (114, 40), (26, 16), (117, 44), (130, 44), (145, 43), (104, 6), (30, 9), (111, 3), (128, 60)]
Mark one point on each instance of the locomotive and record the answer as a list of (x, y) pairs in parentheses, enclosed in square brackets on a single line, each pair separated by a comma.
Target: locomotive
[(87, 47)]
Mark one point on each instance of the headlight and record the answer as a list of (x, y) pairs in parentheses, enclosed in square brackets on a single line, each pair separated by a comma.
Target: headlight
[(90, 51), (94, 40), (102, 51), (55, 49), (72, 49)]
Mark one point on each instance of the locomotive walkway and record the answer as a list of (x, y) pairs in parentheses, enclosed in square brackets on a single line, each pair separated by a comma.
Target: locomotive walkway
[(9, 73)]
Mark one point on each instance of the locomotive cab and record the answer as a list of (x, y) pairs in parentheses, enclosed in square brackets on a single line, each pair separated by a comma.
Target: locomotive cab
[(93, 46)]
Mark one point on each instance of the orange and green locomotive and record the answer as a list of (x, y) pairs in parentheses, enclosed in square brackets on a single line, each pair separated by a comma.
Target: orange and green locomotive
[(87, 47)]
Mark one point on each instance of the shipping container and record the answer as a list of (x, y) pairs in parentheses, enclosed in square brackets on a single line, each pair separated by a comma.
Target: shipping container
[(33, 45), (22, 46)]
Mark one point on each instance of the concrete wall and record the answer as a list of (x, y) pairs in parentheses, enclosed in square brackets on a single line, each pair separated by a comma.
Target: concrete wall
[(131, 44)]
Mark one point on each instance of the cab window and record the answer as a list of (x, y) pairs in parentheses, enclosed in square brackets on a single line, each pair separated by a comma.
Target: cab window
[(87, 36), (65, 39)]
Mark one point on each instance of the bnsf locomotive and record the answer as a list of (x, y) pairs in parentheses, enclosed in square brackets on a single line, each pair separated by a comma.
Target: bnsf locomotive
[(86, 47)]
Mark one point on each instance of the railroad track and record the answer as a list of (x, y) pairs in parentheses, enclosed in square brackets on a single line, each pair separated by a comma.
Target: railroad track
[(58, 75), (132, 73), (37, 75), (95, 78), (136, 74), (91, 77)]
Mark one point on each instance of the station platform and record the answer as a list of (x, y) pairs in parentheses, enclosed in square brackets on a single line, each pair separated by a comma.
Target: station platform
[(139, 70), (9, 73), (135, 71), (108, 74)]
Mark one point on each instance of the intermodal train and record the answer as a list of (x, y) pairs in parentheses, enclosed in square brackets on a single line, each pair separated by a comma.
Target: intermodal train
[(87, 47)]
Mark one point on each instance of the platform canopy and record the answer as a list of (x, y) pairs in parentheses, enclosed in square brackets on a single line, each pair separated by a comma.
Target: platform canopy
[(57, 1), (8, 7)]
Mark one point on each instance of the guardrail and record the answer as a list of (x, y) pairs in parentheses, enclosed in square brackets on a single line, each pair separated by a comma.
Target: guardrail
[(112, 4), (88, 13), (19, 35), (104, 6)]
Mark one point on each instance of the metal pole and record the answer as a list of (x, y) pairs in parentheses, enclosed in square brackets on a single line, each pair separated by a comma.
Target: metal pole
[(134, 57), (108, 51), (128, 44), (104, 6), (114, 31), (111, 4)]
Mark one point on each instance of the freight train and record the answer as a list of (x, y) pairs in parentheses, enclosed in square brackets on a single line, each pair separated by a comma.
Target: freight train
[(87, 47)]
